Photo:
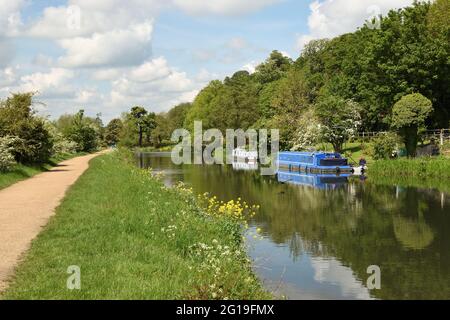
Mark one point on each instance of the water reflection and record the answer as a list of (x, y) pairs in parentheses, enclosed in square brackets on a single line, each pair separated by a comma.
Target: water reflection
[(245, 166), (320, 235), (317, 181)]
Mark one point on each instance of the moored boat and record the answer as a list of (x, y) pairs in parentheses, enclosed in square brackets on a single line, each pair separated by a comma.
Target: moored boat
[(313, 162)]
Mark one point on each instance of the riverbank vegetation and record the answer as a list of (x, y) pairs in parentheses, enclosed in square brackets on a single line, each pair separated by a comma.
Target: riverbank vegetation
[(30, 143), (19, 172), (438, 168), (138, 239)]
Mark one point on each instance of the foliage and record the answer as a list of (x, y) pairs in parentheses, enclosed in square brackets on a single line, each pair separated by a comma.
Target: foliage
[(274, 68), (65, 146), (339, 119), (113, 131), (373, 67), (411, 110), (384, 145), (136, 234), (82, 132), (309, 132), (289, 101), (7, 160), (143, 121), (18, 119), (420, 168), (408, 115), (232, 104)]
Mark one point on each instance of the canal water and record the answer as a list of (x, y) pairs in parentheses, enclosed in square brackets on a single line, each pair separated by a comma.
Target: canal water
[(320, 236)]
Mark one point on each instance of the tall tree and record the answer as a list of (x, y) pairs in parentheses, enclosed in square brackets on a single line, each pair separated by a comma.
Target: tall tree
[(112, 132), (138, 114)]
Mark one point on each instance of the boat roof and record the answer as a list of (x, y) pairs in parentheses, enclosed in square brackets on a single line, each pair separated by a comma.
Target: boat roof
[(306, 153)]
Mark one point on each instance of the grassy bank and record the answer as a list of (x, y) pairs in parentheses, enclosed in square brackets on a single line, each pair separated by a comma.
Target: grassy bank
[(133, 238), (437, 168), (21, 171)]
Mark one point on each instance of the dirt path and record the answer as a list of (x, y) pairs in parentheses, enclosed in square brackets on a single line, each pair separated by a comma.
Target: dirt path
[(26, 207)]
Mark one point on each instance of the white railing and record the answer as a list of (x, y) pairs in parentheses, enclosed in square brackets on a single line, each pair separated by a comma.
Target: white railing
[(440, 135)]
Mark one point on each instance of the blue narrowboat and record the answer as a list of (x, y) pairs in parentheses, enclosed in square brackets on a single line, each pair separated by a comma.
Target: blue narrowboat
[(313, 162)]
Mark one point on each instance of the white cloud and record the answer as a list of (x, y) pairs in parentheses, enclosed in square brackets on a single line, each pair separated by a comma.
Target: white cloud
[(251, 66), (105, 59), (333, 272), (7, 77), (330, 18), (54, 83), (154, 84), (10, 23), (106, 74), (10, 19), (151, 71), (83, 18), (222, 7), (113, 48)]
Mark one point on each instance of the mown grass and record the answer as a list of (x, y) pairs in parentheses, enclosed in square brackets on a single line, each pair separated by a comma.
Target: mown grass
[(21, 171), (133, 238), (352, 150)]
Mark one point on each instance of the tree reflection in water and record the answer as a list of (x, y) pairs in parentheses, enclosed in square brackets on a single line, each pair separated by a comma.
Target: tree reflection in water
[(405, 231)]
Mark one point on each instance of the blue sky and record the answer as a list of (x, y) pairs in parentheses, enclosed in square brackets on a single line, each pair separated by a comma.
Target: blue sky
[(108, 55)]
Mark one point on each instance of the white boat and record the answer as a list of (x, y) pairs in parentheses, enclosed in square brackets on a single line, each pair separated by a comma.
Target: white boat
[(359, 171), (242, 154)]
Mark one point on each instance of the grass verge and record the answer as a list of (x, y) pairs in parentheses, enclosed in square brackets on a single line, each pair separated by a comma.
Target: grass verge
[(21, 171), (427, 167), (133, 238)]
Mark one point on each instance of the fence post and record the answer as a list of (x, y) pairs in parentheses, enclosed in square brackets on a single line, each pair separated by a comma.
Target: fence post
[(442, 137)]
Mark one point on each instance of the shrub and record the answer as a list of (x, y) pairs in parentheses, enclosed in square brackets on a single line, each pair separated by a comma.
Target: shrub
[(35, 143), (408, 116), (65, 146), (309, 132), (340, 119), (18, 119), (7, 160), (384, 145)]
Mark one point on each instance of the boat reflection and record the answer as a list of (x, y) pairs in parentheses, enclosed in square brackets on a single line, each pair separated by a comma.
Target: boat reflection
[(317, 181), (245, 166)]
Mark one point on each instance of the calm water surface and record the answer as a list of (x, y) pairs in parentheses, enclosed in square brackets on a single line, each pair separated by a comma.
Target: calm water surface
[(319, 237)]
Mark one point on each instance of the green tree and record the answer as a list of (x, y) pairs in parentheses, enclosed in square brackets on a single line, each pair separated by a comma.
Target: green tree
[(340, 119), (112, 132), (274, 68), (408, 115), (162, 131), (177, 116), (138, 114), (202, 107), (83, 133), (148, 125), (290, 100), (236, 106)]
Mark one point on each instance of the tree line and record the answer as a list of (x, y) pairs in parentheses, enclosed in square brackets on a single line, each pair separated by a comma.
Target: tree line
[(395, 76), (336, 87), (27, 138)]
